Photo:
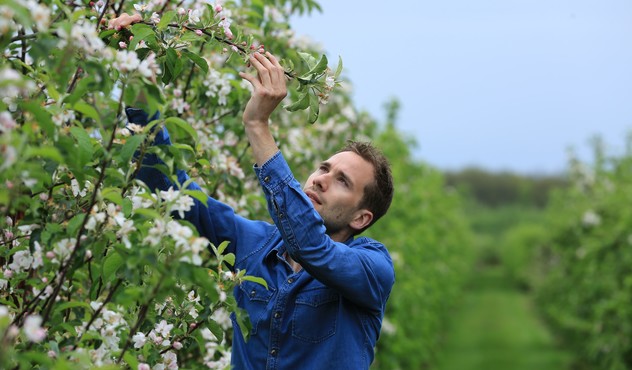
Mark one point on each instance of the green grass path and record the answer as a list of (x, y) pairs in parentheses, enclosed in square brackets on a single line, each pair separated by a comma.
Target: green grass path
[(496, 328)]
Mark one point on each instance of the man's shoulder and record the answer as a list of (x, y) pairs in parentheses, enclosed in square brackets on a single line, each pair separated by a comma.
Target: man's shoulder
[(369, 243)]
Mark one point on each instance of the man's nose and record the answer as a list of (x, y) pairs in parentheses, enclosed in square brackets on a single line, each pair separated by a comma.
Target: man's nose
[(321, 182)]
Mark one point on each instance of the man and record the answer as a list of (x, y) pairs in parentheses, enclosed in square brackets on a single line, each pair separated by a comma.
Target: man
[(327, 289)]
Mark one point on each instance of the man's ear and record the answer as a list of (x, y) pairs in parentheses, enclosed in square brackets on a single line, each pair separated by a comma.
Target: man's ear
[(361, 219)]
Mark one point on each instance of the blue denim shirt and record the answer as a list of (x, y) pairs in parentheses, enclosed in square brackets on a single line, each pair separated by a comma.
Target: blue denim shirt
[(326, 316)]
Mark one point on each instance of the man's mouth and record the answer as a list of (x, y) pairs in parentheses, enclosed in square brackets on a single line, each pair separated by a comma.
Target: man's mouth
[(311, 195)]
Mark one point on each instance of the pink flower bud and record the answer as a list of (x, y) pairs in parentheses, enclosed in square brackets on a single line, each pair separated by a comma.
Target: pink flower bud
[(8, 273), (122, 45), (181, 11), (52, 354), (131, 38), (143, 366), (44, 279), (192, 325), (43, 197), (13, 331), (9, 184), (88, 254), (199, 32), (218, 8), (177, 345), (50, 255), (224, 50)]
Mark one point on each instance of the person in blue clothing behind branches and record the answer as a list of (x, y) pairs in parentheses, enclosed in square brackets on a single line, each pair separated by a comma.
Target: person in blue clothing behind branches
[(327, 286)]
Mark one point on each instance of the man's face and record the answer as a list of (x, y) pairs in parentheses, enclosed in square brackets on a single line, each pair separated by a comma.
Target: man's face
[(336, 189)]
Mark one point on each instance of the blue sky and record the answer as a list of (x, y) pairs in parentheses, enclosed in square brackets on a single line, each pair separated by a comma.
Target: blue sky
[(502, 84)]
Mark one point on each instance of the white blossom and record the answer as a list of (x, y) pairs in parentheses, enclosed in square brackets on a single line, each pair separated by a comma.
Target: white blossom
[(9, 156), (139, 339), (33, 329), (222, 318), (590, 218), (22, 261), (170, 360), (163, 328), (63, 249), (194, 15), (7, 123)]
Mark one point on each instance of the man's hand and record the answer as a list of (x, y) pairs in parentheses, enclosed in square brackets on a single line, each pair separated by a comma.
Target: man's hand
[(269, 91), (123, 21), (269, 88)]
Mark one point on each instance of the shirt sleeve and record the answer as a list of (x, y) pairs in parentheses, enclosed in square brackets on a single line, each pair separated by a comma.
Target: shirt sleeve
[(214, 220), (361, 271)]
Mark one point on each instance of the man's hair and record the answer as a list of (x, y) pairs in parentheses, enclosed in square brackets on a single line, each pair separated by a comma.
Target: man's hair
[(378, 194)]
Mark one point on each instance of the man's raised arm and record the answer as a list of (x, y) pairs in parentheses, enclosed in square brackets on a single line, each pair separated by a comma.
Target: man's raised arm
[(269, 90)]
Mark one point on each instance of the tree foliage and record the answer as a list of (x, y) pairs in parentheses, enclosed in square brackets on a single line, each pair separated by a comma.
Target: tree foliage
[(430, 242), (585, 288), (94, 270)]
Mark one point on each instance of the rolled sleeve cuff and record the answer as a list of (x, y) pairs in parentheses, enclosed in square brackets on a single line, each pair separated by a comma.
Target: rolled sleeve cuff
[(274, 173)]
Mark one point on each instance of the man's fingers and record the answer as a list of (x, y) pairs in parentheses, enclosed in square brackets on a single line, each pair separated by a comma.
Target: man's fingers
[(250, 78), (124, 20), (262, 70)]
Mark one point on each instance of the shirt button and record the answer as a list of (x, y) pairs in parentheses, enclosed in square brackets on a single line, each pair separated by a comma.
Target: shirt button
[(290, 280), (273, 352), (266, 179), (253, 293), (277, 315), (281, 215)]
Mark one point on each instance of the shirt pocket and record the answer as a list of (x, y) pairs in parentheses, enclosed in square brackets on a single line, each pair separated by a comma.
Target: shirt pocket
[(254, 298), (315, 315)]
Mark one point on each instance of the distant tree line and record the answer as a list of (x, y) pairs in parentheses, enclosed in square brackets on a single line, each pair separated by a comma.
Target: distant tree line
[(495, 189)]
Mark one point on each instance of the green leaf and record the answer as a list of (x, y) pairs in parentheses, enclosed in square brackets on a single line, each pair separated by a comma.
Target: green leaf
[(222, 247), (165, 20), (201, 62), (131, 360), (141, 32), (229, 259), (42, 116), (173, 65), (300, 104), (113, 262), (175, 122), (113, 195), (85, 145), (129, 148), (45, 152), (255, 279), (151, 213), (339, 68), (75, 223), (87, 110), (314, 108), (197, 194), (243, 321), (309, 59), (72, 304), (320, 67)]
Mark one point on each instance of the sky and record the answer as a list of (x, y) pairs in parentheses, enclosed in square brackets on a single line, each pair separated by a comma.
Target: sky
[(499, 84)]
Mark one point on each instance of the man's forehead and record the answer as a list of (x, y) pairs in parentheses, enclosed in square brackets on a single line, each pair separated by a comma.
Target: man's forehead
[(351, 163)]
